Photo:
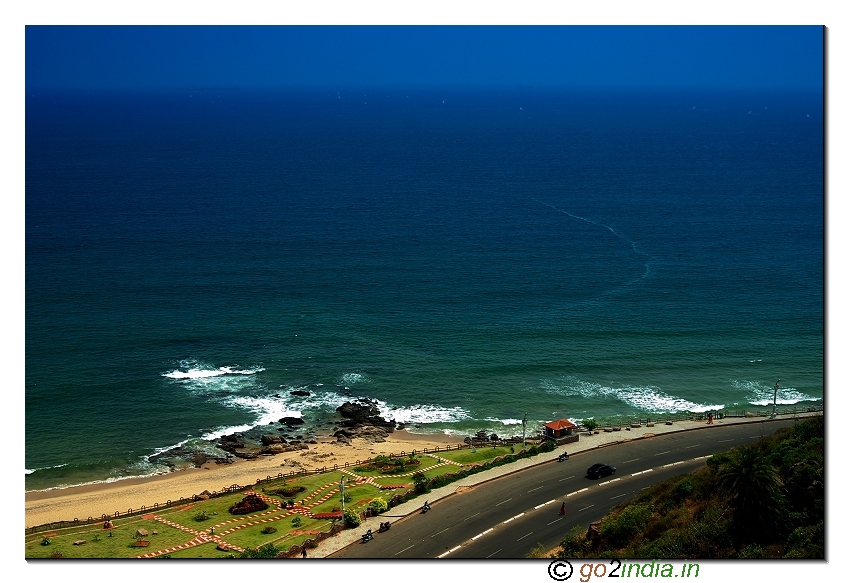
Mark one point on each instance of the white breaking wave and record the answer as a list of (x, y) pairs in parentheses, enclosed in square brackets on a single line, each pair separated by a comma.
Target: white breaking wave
[(157, 472), (351, 378), (199, 373), (422, 413), (505, 421), (760, 394), (28, 471), (267, 409), (201, 377), (650, 399)]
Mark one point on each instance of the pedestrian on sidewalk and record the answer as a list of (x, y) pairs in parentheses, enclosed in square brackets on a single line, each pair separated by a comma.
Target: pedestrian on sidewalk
[(303, 552)]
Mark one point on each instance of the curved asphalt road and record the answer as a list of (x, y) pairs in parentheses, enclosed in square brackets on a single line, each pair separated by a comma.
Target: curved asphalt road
[(506, 517)]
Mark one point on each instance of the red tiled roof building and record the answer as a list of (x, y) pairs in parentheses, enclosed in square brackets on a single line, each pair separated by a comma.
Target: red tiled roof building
[(559, 428)]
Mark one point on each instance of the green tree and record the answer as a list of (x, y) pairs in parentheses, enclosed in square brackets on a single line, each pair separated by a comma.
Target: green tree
[(590, 424), (421, 482), (752, 486)]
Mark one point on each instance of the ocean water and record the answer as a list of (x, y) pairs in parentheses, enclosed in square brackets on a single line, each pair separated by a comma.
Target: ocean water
[(463, 258)]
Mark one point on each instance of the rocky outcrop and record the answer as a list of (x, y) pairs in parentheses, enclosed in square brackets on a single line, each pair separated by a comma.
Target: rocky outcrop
[(300, 393), (276, 448), (248, 454), (292, 421), (231, 443), (362, 420), (363, 412), (178, 456), (271, 439)]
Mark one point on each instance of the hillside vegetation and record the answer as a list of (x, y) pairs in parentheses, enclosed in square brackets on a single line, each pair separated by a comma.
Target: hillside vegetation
[(763, 500)]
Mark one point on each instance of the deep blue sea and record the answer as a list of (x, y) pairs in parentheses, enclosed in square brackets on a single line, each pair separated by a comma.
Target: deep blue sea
[(463, 258)]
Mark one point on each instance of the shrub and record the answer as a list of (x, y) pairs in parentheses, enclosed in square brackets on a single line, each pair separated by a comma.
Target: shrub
[(753, 551), (352, 518), (269, 530), (248, 504), (296, 521), (421, 482), (574, 544), (618, 530), (269, 551), (378, 506), (682, 490), (438, 482), (201, 517), (290, 491)]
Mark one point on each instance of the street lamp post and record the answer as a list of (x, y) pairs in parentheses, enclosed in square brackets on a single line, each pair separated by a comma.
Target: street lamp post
[(774, 403), (524, 432), (341, 489)]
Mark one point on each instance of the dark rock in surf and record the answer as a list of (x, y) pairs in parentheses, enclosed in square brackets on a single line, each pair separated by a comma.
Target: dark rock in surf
[(363, 412)]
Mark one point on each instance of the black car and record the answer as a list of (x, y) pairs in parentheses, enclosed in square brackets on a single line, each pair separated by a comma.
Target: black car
[(600, 470)]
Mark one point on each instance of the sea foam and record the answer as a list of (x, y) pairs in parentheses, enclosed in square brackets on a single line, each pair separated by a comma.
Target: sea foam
[(647, 398), (202, 373), (760, 394)]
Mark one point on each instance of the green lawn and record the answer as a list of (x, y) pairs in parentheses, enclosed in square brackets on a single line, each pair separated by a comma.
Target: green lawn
[(205, 551), (252, 536), (483, 454), (120, 545)]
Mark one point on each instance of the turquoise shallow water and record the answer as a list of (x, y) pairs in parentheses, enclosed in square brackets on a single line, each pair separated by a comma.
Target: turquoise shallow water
[(191, 260)]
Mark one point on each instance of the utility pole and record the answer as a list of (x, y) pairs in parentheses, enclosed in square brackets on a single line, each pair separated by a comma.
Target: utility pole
[(774, 403), (524, 432)]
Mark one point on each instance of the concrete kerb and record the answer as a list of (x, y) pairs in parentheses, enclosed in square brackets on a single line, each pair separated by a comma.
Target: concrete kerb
[(413, 507)]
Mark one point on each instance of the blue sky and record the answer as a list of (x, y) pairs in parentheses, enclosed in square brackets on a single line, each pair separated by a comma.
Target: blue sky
[(161, 57)]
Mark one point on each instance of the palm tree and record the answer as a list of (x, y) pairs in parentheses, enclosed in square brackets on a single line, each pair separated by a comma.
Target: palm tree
[(753, 487)]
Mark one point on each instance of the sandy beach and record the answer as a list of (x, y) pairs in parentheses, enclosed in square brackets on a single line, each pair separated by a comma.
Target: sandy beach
[(97, 499)]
